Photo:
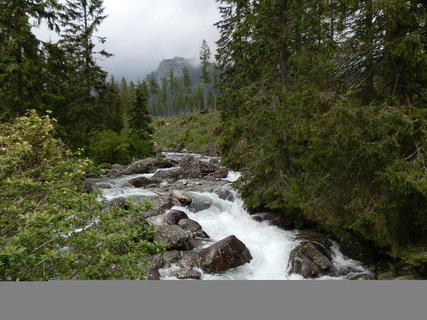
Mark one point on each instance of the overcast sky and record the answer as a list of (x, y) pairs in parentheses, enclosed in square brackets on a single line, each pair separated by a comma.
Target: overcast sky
[(141, 33)]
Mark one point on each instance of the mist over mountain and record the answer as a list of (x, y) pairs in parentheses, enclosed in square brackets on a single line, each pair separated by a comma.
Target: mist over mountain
[(176, 64)]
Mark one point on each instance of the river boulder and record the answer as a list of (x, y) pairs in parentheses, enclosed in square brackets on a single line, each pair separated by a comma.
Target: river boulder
[(200, 204), (181, 197), (223, 255), (193, 227), (189, 225), (225, 193), (159, 206), (169, 175), (186, 273), (175, 236), (168, 218), (194, 169), (153, 273), (147, 165), (141, 182), (309, 259), (170, 257)]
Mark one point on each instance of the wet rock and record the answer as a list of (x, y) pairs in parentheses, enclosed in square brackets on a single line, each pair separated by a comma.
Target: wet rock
[(175, 236), (199, 204), (189, 225), (168, 218), (188, 259), (143, 182), (181, 197), (137, 167), (200, 234), (159, 206), (194, 228), (190, 167), (193, 168), (220, 174), (174, 216), (162, 164), (208, 168), (147, 165), (223, 255), (186, 273), (170, 175), (170, 258), (225, 194), (153, 273), (156, 261), (214, 162), (113, 173), (309, 259)]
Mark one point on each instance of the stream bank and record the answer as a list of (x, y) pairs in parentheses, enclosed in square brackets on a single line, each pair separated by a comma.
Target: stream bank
[(211, 234)]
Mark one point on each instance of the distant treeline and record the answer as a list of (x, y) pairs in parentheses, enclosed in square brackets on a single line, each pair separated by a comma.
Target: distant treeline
[(178, 92)]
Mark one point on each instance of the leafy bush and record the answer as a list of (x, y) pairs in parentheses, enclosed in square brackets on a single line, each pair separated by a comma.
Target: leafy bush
[(108, 146), (49, 230)]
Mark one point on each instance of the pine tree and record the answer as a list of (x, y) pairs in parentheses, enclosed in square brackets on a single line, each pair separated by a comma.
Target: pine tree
[(187, 87), (21, 59), (140, 119), (80, 21), (205, 55), (154, 93)]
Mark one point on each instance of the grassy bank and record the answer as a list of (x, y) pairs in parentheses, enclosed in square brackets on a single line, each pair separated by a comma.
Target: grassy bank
[(195, 132)]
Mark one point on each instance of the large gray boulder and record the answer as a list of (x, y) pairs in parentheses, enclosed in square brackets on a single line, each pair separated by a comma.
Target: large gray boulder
[(225, 193), (193, 168), (223, 255), (181, 197), (309, 259), (169, 175), (170, 257), (189, 225), (141, 182), (193, 227), (159, 206), (168, 218), (146, 166), (175, 236)]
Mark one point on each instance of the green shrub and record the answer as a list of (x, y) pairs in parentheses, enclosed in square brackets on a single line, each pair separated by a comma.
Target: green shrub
[(49, 230), (108, 146)]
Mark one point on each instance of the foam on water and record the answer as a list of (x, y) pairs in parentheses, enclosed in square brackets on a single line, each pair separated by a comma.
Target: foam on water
[(269, 245)]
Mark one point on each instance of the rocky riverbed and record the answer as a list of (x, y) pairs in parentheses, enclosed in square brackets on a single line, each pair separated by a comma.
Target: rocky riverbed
[(210, 233)]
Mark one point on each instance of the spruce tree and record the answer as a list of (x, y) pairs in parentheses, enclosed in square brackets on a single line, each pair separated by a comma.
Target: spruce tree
[(80, 21), (139, 118), (187, 87), (21, 58), (205, 55)]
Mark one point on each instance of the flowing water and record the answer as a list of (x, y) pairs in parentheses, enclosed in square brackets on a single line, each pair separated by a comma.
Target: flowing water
[(269, 245)]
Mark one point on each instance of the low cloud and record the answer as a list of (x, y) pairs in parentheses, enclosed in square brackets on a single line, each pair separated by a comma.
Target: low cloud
[(142, 33)]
